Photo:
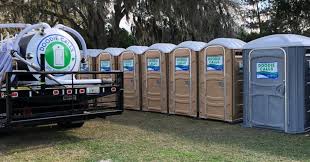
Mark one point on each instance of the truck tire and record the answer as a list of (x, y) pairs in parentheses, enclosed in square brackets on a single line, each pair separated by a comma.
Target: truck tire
[(71, 124)]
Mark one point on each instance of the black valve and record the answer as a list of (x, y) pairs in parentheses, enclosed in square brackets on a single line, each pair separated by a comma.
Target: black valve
[(83, 60)]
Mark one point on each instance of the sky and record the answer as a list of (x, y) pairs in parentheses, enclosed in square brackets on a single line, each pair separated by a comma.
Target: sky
[(124, 24)]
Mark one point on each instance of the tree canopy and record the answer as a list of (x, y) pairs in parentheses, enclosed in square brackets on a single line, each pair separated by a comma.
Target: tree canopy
[(163, 20)]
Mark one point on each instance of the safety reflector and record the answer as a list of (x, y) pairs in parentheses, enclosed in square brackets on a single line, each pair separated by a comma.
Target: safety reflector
[(14, 94), (82, 91), (2, 94), (69, 91), (113, 89), (55, 92)]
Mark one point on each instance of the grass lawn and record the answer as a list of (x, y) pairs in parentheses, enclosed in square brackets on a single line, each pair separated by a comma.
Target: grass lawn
[(136, 136)]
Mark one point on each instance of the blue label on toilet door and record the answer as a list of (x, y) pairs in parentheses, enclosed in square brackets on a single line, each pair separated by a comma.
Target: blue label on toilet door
[(128, 65), (84, 67), (105, 65), (153, 64), (215, 63), (267, 70), (182, 63)]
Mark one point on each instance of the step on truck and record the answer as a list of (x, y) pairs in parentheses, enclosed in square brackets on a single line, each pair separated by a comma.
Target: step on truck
[(39, 67)]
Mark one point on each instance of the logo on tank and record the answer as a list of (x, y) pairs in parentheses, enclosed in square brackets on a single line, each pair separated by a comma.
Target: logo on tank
[(60, 54)]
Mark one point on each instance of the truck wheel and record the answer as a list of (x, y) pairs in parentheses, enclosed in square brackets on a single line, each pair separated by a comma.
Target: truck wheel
[(71, 124)]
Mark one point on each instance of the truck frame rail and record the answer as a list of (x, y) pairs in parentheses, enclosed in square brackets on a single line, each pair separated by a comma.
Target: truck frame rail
[(42, 103)]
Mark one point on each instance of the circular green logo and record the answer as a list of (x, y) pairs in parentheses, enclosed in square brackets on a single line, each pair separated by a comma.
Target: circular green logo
[(58, 55)]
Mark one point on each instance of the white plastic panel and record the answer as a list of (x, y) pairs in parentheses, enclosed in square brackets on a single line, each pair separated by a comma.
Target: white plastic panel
[(230, 43), (137, 49), (114, 51), (278, 40), (193, 45), (163, 47), (93, 52)]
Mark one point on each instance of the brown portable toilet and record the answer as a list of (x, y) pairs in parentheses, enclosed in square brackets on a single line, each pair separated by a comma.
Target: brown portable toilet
[(130, 64), (90, 64), (155, 76), (221, 80), (183, 76), (107, 61)]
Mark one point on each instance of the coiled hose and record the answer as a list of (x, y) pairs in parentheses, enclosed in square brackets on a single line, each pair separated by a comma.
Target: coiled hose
[(5, 58)]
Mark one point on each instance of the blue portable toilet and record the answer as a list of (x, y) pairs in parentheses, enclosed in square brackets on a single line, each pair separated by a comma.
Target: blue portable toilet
[(276, 83)]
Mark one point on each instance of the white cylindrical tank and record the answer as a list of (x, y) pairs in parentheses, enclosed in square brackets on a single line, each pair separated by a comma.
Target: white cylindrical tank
[(60, 49)]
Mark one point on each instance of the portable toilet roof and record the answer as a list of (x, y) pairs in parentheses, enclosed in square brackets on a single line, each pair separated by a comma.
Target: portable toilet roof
[(114, 51), (279, 40), (93, 52), (193, 45), (230, 43), (163, 47), (137, 49)]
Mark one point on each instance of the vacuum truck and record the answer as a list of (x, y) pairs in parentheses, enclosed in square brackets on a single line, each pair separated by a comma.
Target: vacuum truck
[(38, 79)]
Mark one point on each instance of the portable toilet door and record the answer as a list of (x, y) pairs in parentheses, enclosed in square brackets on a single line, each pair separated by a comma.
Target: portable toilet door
[(276, 71), (90, 64), (184, 79), (221, 80), (130, 64), (155, 77), (107, 61)]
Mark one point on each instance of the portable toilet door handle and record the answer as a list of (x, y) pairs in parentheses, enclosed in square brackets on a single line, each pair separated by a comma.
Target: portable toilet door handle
[(221, 83), (283, 88), (188, 83)]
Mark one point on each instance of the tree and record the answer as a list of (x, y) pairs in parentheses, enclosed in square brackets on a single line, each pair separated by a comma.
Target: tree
[(291, 16), (257, 13), (98, 20), (180, 20)]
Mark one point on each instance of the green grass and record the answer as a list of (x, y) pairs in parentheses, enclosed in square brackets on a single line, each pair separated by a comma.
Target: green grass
[(136, 136)]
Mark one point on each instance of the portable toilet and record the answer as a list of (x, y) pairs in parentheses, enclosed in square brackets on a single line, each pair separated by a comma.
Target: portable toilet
[(276, 83), (155, 76), (183, 97), (107, 61), (89, 64), (221, 80), (130, 64)]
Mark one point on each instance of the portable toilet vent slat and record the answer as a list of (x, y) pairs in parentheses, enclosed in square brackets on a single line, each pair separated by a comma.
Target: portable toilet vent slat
[(221, 80), (184, 79), (130, 63), (106, 62), (155, 77), (276, 83)]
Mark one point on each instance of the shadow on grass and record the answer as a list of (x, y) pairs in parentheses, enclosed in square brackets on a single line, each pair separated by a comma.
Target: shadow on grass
[(294, 147), (31, 138)]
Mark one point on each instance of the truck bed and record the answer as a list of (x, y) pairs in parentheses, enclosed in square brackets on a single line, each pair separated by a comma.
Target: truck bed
[(46, 104)]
